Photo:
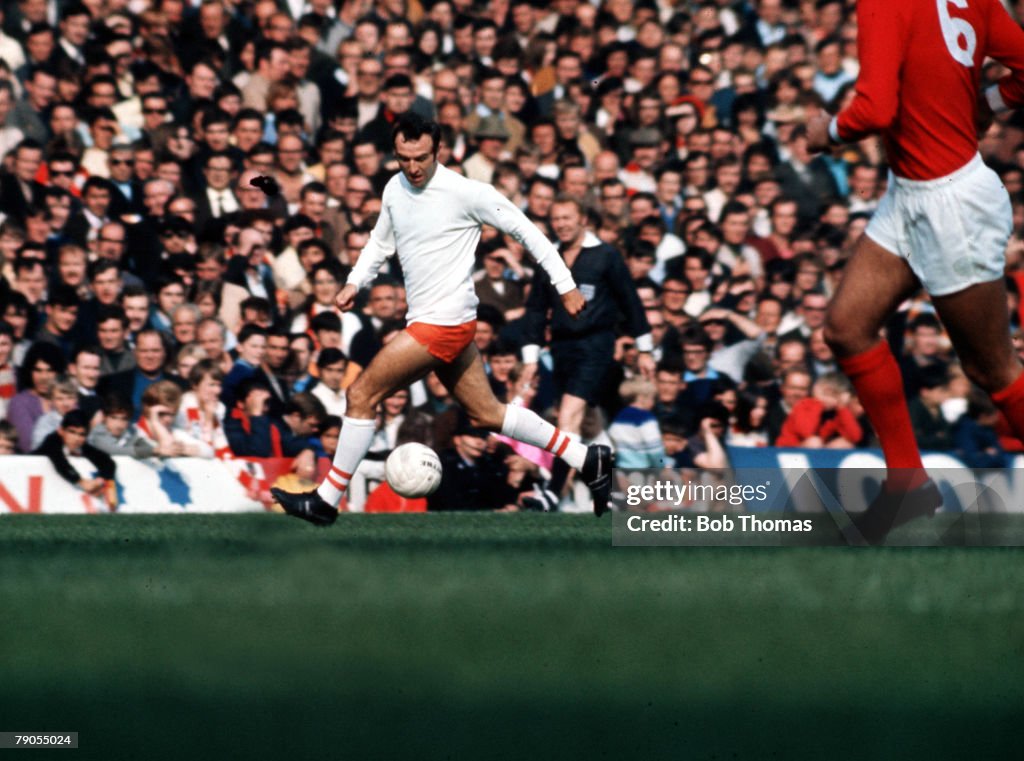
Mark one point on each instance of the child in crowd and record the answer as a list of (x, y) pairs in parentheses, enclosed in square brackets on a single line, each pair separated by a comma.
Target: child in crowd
[(69, 440), (634, 431), (700, 446), (823, 420), (974, 435), (117, 434), (63, 399), (201, 413), (930, 427), (329, 433), (160, 403)]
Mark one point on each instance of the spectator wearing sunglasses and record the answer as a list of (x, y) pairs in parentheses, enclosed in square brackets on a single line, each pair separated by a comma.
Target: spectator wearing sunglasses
[(126, 192)]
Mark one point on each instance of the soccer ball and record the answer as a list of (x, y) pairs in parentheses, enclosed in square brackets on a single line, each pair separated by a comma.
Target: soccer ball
[(413, 470)]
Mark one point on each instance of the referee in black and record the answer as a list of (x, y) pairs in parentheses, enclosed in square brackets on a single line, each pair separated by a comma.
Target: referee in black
[(582, 347)]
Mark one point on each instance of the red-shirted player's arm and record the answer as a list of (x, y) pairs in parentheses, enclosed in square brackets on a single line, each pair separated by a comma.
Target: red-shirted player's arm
[(880, 44), (1006, 45)]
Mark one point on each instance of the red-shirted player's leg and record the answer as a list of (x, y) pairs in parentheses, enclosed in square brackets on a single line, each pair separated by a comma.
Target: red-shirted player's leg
[(977, 322), (874, 284)]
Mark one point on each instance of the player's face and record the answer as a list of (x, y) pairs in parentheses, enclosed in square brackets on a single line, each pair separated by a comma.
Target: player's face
[(416, 159)]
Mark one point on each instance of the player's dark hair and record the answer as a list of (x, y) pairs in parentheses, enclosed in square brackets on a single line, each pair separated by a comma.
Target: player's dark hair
[(411, 126)]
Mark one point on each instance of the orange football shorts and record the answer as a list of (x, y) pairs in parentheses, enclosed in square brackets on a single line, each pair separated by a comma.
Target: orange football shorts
[(445, 342)]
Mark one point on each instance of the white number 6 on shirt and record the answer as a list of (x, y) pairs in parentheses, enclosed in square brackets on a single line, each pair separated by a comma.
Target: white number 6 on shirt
[(955, 28)]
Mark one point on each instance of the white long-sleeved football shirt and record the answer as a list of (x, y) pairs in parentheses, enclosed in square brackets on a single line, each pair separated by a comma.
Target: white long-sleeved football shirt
[(435, 231)]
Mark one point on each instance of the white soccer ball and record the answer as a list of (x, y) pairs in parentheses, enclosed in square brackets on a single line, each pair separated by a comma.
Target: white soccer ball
[(413, 470)]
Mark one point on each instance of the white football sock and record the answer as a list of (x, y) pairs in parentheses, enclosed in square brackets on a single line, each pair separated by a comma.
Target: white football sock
[(530, 428), (355, 439)]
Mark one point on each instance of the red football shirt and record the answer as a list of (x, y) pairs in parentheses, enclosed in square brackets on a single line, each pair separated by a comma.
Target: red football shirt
[(920, 72)]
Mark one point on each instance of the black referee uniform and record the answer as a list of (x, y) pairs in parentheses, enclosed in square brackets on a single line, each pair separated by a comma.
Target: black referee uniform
[(583, 347)]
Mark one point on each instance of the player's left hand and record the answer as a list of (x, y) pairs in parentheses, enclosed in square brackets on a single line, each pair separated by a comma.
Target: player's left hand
[(646, 365), (573, 302), (346, 298), (817, 133)]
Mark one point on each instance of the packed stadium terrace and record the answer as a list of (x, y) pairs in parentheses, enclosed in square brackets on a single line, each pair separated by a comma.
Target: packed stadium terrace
[(158, 283)]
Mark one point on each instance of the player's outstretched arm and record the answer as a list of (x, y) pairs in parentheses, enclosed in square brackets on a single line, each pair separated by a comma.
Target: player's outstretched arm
[(492, 208), (881, 40), (380, 246)]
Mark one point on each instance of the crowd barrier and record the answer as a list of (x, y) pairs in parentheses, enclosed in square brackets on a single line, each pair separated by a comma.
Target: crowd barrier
[(848, 479), (29, 484)]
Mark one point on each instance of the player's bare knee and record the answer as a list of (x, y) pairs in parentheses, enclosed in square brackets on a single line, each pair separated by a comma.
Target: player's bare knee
[(989, 379), (844, 336), (359, 401), (834, 335), (491, 418)]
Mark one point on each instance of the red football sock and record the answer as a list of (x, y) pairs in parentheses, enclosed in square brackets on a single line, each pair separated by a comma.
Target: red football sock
[(879, 385), (1010, 402)]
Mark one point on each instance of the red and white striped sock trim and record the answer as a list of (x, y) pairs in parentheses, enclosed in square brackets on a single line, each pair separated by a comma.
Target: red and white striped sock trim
[(560, 445), (338, 478)]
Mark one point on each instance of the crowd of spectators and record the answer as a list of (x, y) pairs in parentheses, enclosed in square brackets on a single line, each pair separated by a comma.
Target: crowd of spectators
[(150, 288)]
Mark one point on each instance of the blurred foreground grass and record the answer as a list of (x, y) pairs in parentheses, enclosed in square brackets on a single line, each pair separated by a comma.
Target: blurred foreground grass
[(497, 636)]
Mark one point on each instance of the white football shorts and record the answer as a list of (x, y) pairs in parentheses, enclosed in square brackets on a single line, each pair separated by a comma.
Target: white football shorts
[(952, 231)]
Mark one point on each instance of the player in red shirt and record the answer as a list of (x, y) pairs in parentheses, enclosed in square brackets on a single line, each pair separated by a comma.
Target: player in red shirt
[(943, 223)]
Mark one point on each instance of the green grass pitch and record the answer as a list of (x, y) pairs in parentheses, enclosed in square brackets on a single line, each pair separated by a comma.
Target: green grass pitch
[(497, 637)]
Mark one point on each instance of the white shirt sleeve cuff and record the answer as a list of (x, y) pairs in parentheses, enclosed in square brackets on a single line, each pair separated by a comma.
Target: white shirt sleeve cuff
[(564, 286), (833, 130), (531, 353), (995, 99), (645, 343)]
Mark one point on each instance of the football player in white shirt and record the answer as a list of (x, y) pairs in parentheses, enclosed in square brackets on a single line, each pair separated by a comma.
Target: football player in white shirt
[(431, 217)]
